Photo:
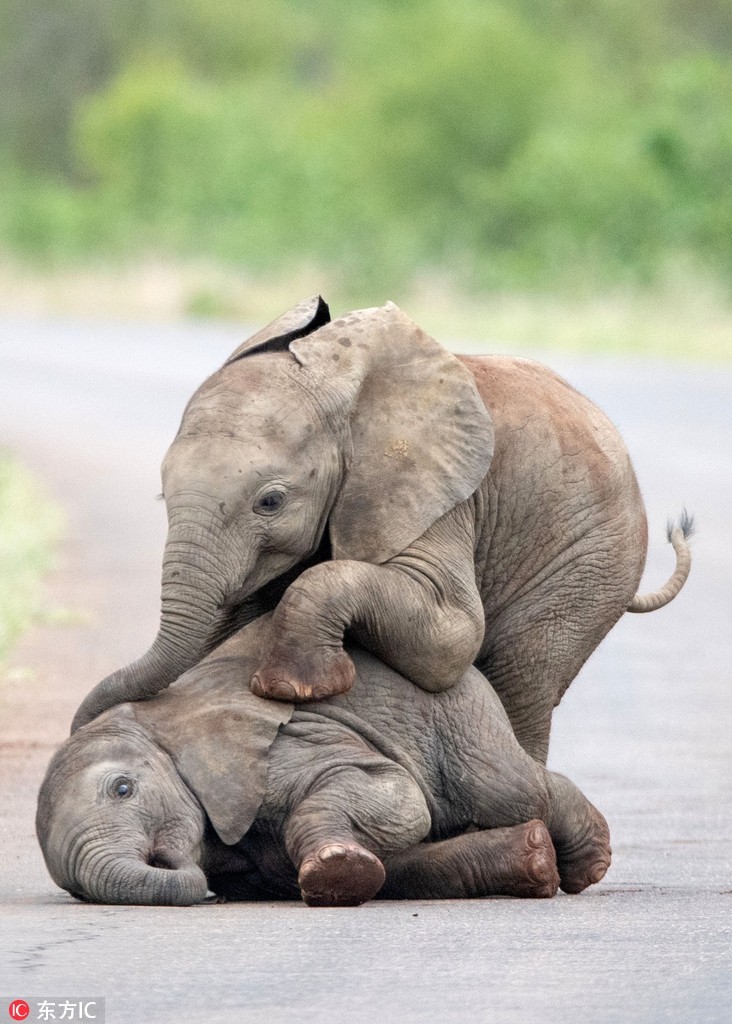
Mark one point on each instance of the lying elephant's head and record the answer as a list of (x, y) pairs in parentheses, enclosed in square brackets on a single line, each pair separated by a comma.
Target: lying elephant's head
[(122, 809), (364, 425)]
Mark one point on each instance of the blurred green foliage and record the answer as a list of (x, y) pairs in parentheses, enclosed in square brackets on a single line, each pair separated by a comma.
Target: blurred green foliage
[(30, 526), (538, 143)]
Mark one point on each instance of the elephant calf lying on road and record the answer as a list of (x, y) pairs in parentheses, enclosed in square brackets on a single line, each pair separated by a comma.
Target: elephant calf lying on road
[(313, 797)]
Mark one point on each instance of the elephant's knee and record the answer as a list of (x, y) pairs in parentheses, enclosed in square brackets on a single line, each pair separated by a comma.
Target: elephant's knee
[(409, 806), (378, 803), (456, 638), (393, 812)]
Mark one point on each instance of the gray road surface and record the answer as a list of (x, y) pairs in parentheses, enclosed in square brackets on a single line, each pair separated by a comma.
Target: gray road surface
[(646, 731)]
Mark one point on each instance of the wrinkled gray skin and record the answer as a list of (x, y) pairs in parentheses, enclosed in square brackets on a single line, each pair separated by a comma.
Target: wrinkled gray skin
[(208, 785), (445, 510)]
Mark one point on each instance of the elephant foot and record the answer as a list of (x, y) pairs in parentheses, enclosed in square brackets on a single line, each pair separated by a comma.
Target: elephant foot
[(588, 862), (304, 678), (536, 875), (340, 875)]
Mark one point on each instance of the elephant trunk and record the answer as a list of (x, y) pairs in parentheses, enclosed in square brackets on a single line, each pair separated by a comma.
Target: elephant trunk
[(129, 879), (193, 593)]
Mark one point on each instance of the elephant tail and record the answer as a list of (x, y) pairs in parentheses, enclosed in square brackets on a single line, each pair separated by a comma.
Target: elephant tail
[(678, 535)]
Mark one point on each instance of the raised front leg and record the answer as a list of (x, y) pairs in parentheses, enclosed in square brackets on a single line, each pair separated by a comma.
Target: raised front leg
[(516, 861), (420, 613)]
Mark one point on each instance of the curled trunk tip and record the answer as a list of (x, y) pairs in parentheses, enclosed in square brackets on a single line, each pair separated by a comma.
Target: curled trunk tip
[(129, 880)]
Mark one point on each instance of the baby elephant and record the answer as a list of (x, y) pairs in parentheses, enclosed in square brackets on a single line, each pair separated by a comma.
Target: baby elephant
[(384, 789)]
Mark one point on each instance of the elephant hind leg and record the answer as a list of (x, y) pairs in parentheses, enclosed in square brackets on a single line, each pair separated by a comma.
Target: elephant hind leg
[(580, 835), (514, 861), (534, 648)]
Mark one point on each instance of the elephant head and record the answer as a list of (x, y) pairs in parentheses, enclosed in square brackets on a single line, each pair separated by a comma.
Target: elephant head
[(364, 427), (122, 809)]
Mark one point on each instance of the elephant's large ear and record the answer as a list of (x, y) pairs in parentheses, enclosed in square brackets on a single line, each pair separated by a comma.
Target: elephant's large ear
[(297, 322), (422, 438), (219, 736)]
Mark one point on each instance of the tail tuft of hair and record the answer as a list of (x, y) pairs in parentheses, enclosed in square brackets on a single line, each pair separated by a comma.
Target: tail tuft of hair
[(685, 523)]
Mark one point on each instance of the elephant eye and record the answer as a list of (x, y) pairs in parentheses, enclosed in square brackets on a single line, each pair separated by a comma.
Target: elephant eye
[(269, 503), (122, 788)]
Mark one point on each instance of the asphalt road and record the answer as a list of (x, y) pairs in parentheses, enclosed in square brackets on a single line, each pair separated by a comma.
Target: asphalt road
[(645, 731)]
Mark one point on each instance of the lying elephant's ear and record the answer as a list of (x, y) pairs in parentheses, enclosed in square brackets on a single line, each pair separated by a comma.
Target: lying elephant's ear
[(302, 319), (219, 736), (422, 438)]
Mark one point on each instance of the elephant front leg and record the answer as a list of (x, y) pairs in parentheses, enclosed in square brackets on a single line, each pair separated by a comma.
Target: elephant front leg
[(340, 873), (429, 627), (514, 861), (304, 659), (335, 835)]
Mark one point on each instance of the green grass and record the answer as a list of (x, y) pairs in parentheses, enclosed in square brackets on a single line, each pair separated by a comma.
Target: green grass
[(30, 526)]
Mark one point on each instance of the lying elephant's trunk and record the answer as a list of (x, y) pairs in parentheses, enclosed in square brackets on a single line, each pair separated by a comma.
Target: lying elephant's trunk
[(130, 880), (193, 591)]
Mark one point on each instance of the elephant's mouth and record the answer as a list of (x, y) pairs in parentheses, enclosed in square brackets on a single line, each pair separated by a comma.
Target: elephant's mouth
[(160, 859), (241, 606), (168, 860), (231, 618)]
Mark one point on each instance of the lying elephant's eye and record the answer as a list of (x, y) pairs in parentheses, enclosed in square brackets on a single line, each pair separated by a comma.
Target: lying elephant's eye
[(268, 503), (122, 788)]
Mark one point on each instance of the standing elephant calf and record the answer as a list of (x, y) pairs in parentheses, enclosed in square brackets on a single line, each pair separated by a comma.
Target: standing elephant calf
[(209, 786), (441, 510)]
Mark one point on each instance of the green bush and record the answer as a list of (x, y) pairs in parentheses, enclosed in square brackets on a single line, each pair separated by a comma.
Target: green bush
[(500, 143)]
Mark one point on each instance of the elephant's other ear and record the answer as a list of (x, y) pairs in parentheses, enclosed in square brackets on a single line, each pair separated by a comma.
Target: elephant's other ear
[(218, 735), (422, 437), (302, 319)]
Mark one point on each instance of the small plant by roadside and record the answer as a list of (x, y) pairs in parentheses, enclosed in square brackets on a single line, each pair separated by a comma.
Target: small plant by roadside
[(30, 526)]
